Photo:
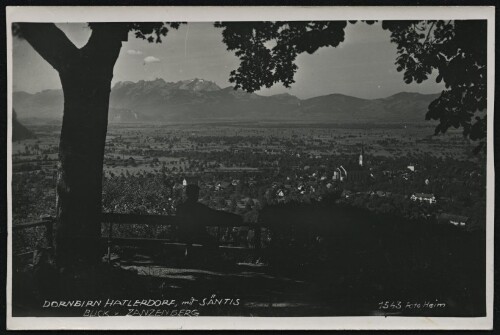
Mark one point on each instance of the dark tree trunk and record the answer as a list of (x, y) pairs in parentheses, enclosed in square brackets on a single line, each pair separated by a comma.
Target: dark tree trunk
[(81, 151), (86, 75), (86, 84)]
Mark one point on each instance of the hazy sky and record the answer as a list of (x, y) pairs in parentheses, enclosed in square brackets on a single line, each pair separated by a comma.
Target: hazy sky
[(362, 66)]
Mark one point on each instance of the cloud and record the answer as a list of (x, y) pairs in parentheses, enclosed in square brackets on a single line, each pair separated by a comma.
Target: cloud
[(151, 59), (134, 52)]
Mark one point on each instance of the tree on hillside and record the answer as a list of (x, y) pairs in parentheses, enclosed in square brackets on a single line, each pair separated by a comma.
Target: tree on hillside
[(85, 75), (267, 52)]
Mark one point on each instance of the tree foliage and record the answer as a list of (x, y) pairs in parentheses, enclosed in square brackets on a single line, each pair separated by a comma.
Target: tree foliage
[(457, 50), (268, 50)]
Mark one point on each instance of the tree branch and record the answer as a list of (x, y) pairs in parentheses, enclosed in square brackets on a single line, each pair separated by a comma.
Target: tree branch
[(50, 42), (429, 32), (106, 41)]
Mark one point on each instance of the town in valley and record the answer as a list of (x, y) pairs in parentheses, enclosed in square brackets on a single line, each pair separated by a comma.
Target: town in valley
[(241, 167)]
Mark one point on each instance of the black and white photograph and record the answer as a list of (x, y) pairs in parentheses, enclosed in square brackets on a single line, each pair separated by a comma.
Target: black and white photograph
[(250, 167)]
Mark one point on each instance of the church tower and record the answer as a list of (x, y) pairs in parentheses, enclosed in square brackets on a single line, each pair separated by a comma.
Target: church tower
[(361, 155)]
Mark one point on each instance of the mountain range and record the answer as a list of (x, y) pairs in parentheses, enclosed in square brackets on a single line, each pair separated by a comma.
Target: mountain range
[(199, 100)]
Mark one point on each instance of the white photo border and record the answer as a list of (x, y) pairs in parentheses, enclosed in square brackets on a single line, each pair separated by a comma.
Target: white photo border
[(249, 13)]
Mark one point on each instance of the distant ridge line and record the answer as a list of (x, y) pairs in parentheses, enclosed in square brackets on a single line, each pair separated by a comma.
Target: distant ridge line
[(203, 100)]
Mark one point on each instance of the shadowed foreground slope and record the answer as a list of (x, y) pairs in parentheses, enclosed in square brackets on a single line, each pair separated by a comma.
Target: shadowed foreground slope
[(323, 259)]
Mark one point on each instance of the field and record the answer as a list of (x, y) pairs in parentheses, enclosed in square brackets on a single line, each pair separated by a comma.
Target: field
[(267, 154)]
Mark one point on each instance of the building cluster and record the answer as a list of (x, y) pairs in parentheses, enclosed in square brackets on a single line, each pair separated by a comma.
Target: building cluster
[(424, 197)]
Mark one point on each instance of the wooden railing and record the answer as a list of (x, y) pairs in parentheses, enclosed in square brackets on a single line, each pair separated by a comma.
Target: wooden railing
[(115, 219), (48, 223)]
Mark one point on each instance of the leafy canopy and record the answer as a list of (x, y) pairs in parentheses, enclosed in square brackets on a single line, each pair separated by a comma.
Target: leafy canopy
[(457, 50), (267, 50)]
